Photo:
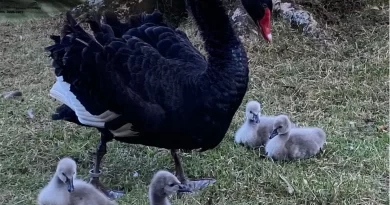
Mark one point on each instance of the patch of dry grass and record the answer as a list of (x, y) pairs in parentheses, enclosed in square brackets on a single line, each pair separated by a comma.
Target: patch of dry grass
[(340, 86)]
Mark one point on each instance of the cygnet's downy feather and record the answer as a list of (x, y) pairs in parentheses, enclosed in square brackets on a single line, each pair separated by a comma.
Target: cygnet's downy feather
[(65, 189), (164, 184), (287, 143), (57, 192), (257, 128), (247, 133), (86, 194)]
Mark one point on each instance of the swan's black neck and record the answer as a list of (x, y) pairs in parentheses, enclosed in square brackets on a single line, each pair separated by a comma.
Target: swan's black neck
[(220, 39), (226, 79)]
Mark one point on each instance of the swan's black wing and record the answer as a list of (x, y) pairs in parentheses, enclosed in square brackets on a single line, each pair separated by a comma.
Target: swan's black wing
[(134, 21), (149, 78), (155, 72), (143, 21)]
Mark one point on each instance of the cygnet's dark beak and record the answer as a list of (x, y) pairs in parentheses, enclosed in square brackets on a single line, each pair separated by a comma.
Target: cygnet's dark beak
[(273, 134), (184, 188), (255, 118), (69, 182)]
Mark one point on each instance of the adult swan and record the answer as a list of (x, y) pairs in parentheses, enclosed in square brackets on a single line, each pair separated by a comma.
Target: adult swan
[(145, 83)]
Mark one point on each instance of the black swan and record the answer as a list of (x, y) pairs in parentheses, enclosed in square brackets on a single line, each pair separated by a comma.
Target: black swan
[(144, 82), (261, 12)]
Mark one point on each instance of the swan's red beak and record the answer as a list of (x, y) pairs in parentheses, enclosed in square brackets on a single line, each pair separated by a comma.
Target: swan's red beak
[(265, 25)]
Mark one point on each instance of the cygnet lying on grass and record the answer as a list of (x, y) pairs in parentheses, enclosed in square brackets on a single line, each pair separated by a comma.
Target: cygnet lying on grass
[(257, 128), (86, 194), (65, 189), (163, 185), (247, 133), (287, 143)]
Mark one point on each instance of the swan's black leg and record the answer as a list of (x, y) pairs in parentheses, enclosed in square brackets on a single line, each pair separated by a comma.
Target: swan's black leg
[(96, 172), (195, 185), (178, 167), (322, 150)]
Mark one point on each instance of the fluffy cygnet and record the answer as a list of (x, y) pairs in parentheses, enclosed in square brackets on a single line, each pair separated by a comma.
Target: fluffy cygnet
[(57, 192), (256, 129), (86, 194), (287, 143), (164, 184), (65, 189)]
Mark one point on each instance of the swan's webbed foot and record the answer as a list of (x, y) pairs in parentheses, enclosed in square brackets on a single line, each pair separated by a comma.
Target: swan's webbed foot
[(194, 185), (198, 184)]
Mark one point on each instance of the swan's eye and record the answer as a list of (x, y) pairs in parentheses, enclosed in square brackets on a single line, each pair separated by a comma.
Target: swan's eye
[(265, 5), (171, 185)]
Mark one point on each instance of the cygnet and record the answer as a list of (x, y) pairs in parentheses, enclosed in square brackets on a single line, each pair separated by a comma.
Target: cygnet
[(65, 189), (287, 143), (256, 129), (163, 185)]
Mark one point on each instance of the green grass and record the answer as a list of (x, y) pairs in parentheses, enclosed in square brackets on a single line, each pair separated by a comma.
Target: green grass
[(340, 86), (28, 10)]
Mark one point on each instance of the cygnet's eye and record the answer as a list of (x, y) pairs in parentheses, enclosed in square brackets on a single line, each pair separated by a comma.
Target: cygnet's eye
[(172, 184)]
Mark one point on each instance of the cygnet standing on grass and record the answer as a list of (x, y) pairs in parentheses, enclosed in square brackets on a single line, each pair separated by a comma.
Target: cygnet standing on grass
[(256, 129), (287, 143), (163, 185), (65, 189)]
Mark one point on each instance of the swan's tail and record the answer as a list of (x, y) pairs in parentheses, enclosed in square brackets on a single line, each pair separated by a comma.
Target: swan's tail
[(64, 112), (77, 61)]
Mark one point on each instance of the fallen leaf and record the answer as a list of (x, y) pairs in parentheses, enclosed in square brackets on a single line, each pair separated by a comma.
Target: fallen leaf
[(382, 128), (305, 182), (374, 8), (12, 94), (369, 121), (30, 113), (290, 189)]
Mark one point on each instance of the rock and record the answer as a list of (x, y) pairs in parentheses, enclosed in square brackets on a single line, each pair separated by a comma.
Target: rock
[(292, 13), (243, 24), (299, 19), (175, 12)]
